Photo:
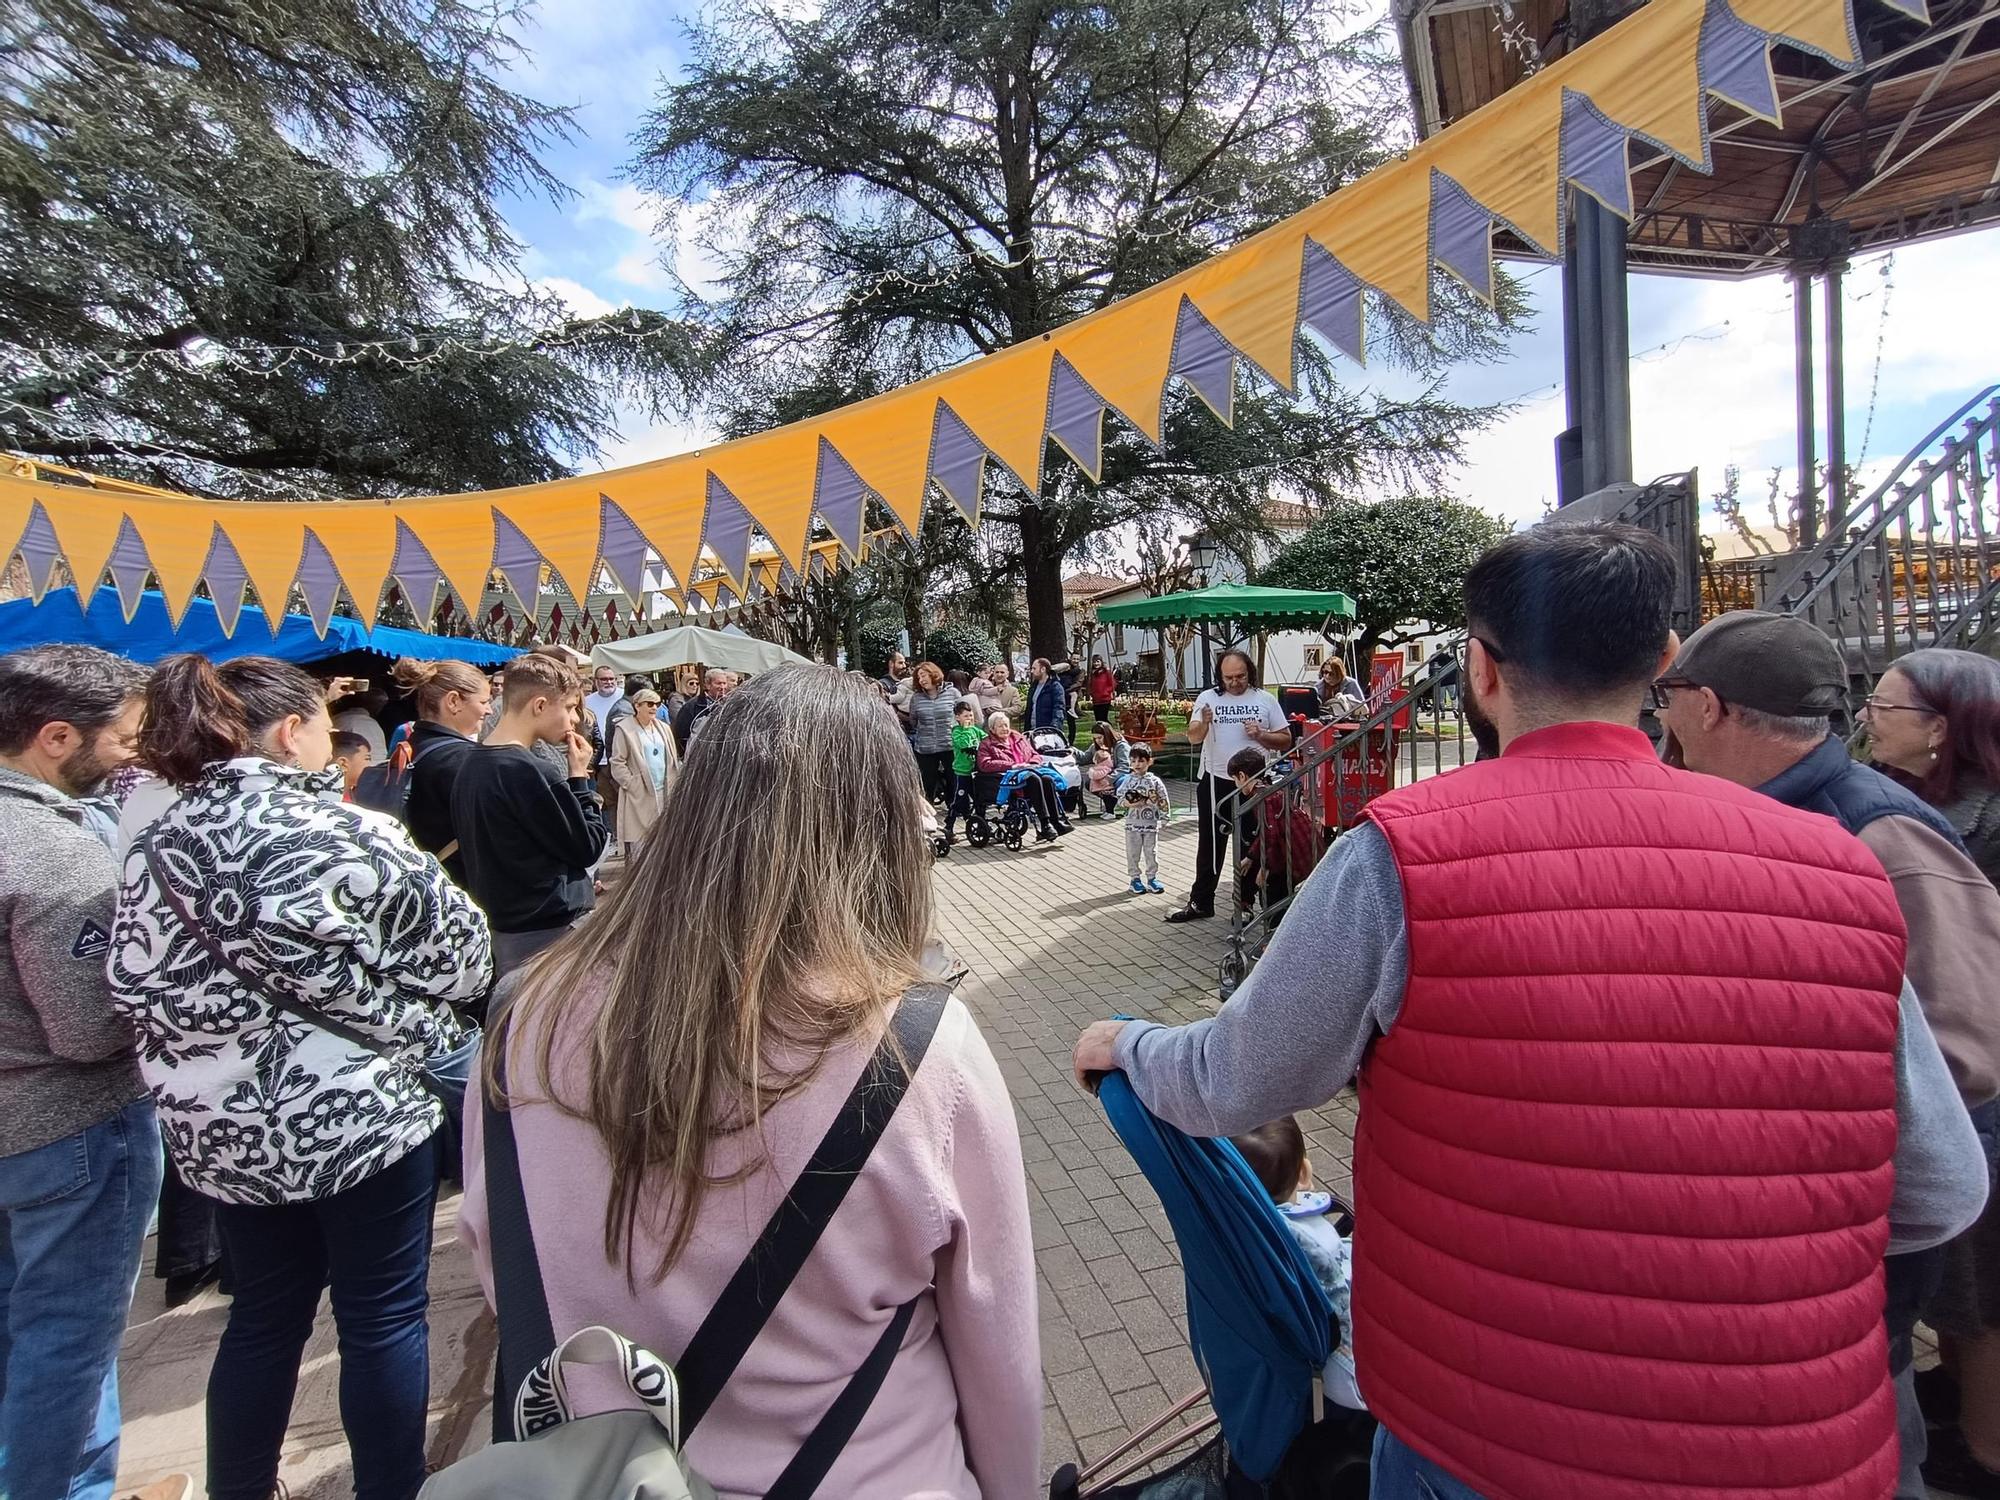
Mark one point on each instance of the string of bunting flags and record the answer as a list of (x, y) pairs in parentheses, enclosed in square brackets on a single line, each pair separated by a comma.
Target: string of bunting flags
[(694, 517)]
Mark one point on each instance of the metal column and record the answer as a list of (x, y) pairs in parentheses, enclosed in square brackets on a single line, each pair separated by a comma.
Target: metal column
[(1597, 448), (1802, 365), (1836, 407)]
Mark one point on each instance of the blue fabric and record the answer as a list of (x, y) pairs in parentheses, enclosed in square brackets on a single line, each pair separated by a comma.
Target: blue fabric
[(150, 636), (1047, 705), (1399, 1472), (1259, 1325), (1831, 781), (370, 1246), (73, 1217)]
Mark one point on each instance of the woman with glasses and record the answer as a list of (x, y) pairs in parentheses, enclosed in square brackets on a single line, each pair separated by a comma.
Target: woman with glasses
[(1934, 724)]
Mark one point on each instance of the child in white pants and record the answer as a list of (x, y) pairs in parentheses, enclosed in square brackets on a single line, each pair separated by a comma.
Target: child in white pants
[(1146, 803)]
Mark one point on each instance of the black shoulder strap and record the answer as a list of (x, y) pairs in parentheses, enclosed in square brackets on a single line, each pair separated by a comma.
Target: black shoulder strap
[(733, 1324), (527, 1334), (754, 1292)]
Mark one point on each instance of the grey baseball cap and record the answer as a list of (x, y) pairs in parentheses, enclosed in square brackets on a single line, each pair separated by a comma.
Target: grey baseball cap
[(1776, 664)]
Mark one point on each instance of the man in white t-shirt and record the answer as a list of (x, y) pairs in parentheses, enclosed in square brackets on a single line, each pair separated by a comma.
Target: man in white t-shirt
[(1227, 719), (607, 704)]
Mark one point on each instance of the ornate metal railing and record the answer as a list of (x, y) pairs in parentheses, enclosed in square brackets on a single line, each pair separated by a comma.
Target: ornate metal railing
[(1915, 562), (1417, 730)]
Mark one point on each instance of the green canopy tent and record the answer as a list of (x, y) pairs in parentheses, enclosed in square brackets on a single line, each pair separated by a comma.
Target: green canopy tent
[(1232, 605)]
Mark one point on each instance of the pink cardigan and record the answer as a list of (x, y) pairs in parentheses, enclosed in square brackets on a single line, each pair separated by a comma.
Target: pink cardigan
[(942, 1204)]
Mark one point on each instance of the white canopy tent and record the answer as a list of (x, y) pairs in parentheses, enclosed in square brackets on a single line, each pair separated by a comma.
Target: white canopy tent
[(686, 645)]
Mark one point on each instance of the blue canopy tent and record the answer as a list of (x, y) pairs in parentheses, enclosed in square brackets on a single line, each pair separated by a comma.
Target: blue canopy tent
[(151, 635)]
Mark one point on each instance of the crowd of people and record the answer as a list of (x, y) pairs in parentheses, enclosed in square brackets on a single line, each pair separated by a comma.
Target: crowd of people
[(1677, 1072)]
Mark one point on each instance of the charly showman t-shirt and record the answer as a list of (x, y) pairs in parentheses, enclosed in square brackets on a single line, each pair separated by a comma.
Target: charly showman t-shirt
[(1234, 717)]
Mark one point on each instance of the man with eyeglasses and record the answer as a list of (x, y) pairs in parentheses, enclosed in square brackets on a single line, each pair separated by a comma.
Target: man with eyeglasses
[(1750, 698), (1644, 1092)]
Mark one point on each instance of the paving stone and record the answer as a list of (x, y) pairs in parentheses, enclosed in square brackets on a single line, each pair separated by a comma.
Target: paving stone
[(1086, 1406), (1119, 1363)]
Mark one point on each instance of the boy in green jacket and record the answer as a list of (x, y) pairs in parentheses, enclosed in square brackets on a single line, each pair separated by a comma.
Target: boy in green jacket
[(965, 737)]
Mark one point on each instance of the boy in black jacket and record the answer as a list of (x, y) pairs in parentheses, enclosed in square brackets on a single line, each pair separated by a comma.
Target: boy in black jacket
[(528, 836)]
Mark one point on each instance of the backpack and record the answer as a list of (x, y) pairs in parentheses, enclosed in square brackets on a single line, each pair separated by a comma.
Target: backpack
[(542, 1452)]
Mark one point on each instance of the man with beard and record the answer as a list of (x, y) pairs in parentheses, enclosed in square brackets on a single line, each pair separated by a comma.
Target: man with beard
[(79, 1146), (1637, 1118)]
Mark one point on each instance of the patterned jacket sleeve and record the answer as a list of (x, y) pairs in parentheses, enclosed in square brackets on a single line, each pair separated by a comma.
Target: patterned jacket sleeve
[(373, 927)]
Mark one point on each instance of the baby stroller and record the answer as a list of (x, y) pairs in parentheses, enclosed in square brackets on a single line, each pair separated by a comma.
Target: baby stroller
[(1260, 1328), (1055, 748)]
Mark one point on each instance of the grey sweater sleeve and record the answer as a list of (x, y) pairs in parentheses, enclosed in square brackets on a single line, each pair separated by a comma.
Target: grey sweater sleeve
[(1293, 1035), (1940, 1168)]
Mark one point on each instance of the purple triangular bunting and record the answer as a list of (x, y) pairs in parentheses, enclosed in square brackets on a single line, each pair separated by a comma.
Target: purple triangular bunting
[(622, 545), (725, 529), (1736, 61), (1593, 154), (319, 582), (39, 549), (958, 461), (1203, 358), (1331, 302), (416, 573), (1461, 235), (840, 497), (129, 564), (819, 565), (225, 576), (1076, 417), (518, 561)]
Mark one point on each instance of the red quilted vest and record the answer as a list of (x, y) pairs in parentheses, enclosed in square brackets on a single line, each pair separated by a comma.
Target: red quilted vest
[(1623, 1166)]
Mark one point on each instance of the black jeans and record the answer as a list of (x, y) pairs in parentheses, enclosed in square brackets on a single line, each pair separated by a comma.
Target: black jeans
[(372, 1245), (935, 768), (1214, 805)]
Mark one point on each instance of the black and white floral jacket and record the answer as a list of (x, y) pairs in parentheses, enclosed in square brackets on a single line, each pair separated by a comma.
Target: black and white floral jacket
[(335, 905)]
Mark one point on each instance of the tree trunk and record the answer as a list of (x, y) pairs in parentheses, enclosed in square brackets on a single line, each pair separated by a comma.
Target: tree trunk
[(1041, 565)]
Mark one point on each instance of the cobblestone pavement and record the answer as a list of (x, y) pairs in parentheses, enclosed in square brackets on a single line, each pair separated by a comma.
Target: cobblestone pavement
[(1053, 940)]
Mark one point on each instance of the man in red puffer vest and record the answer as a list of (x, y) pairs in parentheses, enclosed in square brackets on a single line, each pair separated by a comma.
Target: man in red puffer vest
[(1635, 1050)]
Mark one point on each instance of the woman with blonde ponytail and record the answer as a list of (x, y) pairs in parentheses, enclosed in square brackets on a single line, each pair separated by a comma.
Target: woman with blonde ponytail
[(289, 963), (663, 1113)]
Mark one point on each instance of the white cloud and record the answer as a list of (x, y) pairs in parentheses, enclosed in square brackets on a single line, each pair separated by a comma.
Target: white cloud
[(581, 301), (621, 204)]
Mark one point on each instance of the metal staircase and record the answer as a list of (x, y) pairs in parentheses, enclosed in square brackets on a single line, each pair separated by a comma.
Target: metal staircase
[(1916, 563)]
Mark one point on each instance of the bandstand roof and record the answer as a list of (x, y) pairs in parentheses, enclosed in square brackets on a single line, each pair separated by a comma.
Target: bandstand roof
[(1905, 149)]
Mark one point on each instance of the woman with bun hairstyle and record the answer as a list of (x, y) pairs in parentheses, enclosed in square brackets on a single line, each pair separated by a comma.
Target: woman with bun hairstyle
[(253, 905), (452, 699)]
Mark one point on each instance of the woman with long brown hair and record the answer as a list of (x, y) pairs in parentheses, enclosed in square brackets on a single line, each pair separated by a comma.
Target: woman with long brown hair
[(289, 964), (663, 1113), (1934, 725)]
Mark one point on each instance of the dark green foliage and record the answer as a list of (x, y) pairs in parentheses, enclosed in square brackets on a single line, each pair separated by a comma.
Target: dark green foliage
[(208, 208), (879, 635), (1403, 560), (894, 185), (964, 648)]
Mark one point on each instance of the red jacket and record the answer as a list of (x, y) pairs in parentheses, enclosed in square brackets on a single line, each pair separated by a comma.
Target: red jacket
[(1288, 841), (1103, 686), (996, 754), (1623, 1166)]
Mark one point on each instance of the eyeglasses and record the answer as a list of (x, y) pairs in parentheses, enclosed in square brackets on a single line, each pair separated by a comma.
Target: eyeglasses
[(1662, 686), (1884, 706)]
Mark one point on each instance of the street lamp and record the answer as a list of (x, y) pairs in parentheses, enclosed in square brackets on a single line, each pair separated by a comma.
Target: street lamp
[(1201, 558)]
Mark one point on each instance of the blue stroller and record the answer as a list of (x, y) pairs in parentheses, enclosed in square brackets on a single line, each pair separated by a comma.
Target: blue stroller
[(1260, 1327)]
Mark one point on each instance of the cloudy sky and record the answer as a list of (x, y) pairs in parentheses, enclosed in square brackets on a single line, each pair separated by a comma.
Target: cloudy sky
[(1712, 361)]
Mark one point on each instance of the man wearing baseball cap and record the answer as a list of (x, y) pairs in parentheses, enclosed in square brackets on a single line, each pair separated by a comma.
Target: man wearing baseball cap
[(1749, 698)]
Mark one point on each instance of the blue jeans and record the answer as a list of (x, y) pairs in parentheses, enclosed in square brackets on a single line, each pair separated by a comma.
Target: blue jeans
[(1399, 1472), (372, 1245), (72, 1219)]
